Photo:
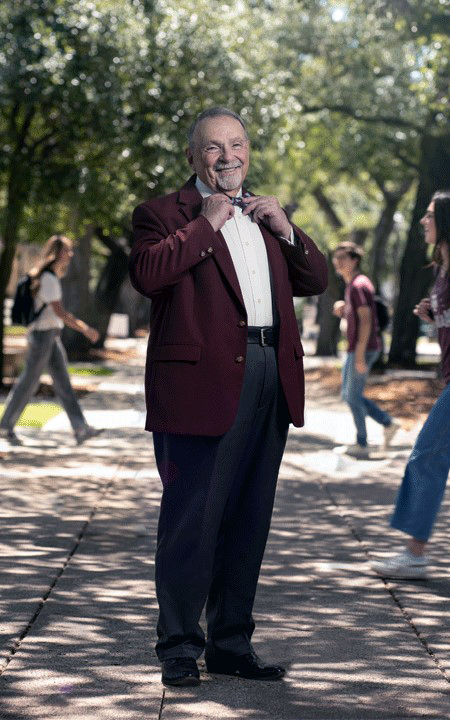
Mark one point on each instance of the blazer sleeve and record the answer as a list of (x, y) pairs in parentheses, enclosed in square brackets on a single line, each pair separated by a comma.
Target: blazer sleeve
[(159, 259), (307, 266)]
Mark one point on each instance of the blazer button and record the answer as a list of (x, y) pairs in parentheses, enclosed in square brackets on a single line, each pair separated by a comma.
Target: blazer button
[(202, 254), (242, 323), (210, 249), (239, 359)]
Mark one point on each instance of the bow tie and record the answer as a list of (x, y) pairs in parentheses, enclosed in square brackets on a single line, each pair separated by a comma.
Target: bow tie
[(238, 201)]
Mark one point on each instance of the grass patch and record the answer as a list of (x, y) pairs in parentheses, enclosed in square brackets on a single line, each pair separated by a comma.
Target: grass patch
[(15, 330), (92, 371), (36, 414)]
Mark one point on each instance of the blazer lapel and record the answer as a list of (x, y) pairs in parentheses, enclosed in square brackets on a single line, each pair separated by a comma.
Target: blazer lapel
[(190, 202)]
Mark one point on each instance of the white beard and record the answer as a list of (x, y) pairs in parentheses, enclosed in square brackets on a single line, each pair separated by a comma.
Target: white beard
[(230, 182)]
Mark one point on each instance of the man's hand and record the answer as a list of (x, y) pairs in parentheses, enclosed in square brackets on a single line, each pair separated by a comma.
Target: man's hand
[(338, 308), (423, 310), (360, 365), (217, 209), (267, 210)]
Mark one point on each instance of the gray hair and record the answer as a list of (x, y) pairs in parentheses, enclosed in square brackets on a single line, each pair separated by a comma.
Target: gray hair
[(213, 112)]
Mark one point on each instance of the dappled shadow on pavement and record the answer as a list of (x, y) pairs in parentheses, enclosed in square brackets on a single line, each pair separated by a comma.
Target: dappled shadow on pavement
[(79, 526)]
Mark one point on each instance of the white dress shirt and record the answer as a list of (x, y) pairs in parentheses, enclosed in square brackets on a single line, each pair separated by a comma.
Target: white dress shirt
[(248, 252)]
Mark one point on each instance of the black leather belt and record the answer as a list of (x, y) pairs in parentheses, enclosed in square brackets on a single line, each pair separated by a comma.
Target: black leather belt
[(263, 336)]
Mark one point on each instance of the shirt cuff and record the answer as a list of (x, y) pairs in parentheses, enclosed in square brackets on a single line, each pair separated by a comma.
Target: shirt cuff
[(290, 239)]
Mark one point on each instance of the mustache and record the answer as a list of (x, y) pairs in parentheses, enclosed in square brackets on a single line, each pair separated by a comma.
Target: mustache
[(224, 166)]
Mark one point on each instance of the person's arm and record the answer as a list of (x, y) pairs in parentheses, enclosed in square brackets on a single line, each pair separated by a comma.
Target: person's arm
[(74, 322), (364, 330), (307, 266), (159, 259)]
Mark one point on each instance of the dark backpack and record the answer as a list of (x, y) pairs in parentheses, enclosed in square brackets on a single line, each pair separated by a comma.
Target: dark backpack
[(382, 310), (23, 312)]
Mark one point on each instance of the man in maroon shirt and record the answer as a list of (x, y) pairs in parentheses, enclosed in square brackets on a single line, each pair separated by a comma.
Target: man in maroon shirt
[(364, 345)]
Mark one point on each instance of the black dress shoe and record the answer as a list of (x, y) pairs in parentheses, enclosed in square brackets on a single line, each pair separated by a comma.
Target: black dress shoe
[(181, 672), (247, 666)]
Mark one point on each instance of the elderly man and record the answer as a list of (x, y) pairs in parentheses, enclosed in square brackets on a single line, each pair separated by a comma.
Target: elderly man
[(224, 378)]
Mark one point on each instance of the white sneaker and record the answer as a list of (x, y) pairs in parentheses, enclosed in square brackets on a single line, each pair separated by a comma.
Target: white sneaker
[(358, 451), (404, 566), (389, 432)]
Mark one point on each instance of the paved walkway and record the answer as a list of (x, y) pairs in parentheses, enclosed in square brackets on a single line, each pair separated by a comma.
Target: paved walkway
[(77, 604)]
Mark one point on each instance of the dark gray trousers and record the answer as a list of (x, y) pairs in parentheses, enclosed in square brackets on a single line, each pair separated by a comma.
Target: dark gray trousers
[(216, 507)]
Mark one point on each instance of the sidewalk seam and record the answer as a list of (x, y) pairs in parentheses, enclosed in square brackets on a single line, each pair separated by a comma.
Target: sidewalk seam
[(161, 707), (390, 590)]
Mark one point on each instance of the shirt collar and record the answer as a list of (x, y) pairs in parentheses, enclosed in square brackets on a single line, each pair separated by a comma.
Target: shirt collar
[(206, 191)]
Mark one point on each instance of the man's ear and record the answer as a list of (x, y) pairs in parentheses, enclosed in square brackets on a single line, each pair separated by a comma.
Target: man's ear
[(190, 157)]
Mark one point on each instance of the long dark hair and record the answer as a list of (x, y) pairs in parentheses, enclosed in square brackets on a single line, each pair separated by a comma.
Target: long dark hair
[(441, 200), (50, 254)]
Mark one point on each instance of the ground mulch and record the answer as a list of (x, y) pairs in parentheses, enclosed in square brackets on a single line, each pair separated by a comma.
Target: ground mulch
[(409, 399)]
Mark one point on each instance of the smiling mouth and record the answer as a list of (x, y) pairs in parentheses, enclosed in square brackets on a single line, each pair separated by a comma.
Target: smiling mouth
[(228, 169)]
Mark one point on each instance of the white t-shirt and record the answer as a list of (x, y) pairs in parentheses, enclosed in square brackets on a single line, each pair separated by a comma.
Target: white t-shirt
[(49, 291)]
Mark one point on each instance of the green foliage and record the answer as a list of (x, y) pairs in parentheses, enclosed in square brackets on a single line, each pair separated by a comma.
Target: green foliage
[(90, 370), (64, 92), (15, 330), (97, 96)]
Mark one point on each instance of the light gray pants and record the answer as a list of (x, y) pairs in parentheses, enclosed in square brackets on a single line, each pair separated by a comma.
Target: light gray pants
[(45, 351)]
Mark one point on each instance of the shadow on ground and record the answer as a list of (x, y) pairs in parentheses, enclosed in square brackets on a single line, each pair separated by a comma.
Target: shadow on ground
[(78, 606)]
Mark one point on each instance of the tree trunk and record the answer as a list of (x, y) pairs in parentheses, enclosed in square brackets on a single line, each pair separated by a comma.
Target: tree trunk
[(77, 296), (383, 231), (96, 309), (108, 289), (17, 194), (415, 277), (329, 333)]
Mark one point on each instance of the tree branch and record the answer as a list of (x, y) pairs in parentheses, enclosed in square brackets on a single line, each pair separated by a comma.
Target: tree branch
[(325, 205), (107, 240), (41, 140), (26, 126), (406, 161), (13, 119), (348, 110)]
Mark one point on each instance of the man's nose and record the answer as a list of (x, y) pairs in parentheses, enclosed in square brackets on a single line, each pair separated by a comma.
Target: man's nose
[(227, 154)]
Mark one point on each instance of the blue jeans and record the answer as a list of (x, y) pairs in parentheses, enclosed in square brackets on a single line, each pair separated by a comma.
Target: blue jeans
[(426, 474), (353, 384), (45, 351)]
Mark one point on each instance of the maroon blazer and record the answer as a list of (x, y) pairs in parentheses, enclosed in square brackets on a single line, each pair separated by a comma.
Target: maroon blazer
[(198, 324)]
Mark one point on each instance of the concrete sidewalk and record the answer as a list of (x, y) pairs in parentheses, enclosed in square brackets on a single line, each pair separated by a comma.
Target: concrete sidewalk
[(77, 604)]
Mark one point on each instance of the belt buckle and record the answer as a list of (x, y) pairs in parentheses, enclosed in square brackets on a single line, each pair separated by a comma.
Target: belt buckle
[(262, 340)]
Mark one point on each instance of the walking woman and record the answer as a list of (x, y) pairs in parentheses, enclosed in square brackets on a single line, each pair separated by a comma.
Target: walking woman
[(427, 470), (45, 349)]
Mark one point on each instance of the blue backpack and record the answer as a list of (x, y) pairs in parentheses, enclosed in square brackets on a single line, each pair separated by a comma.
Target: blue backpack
[(23, 312)]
